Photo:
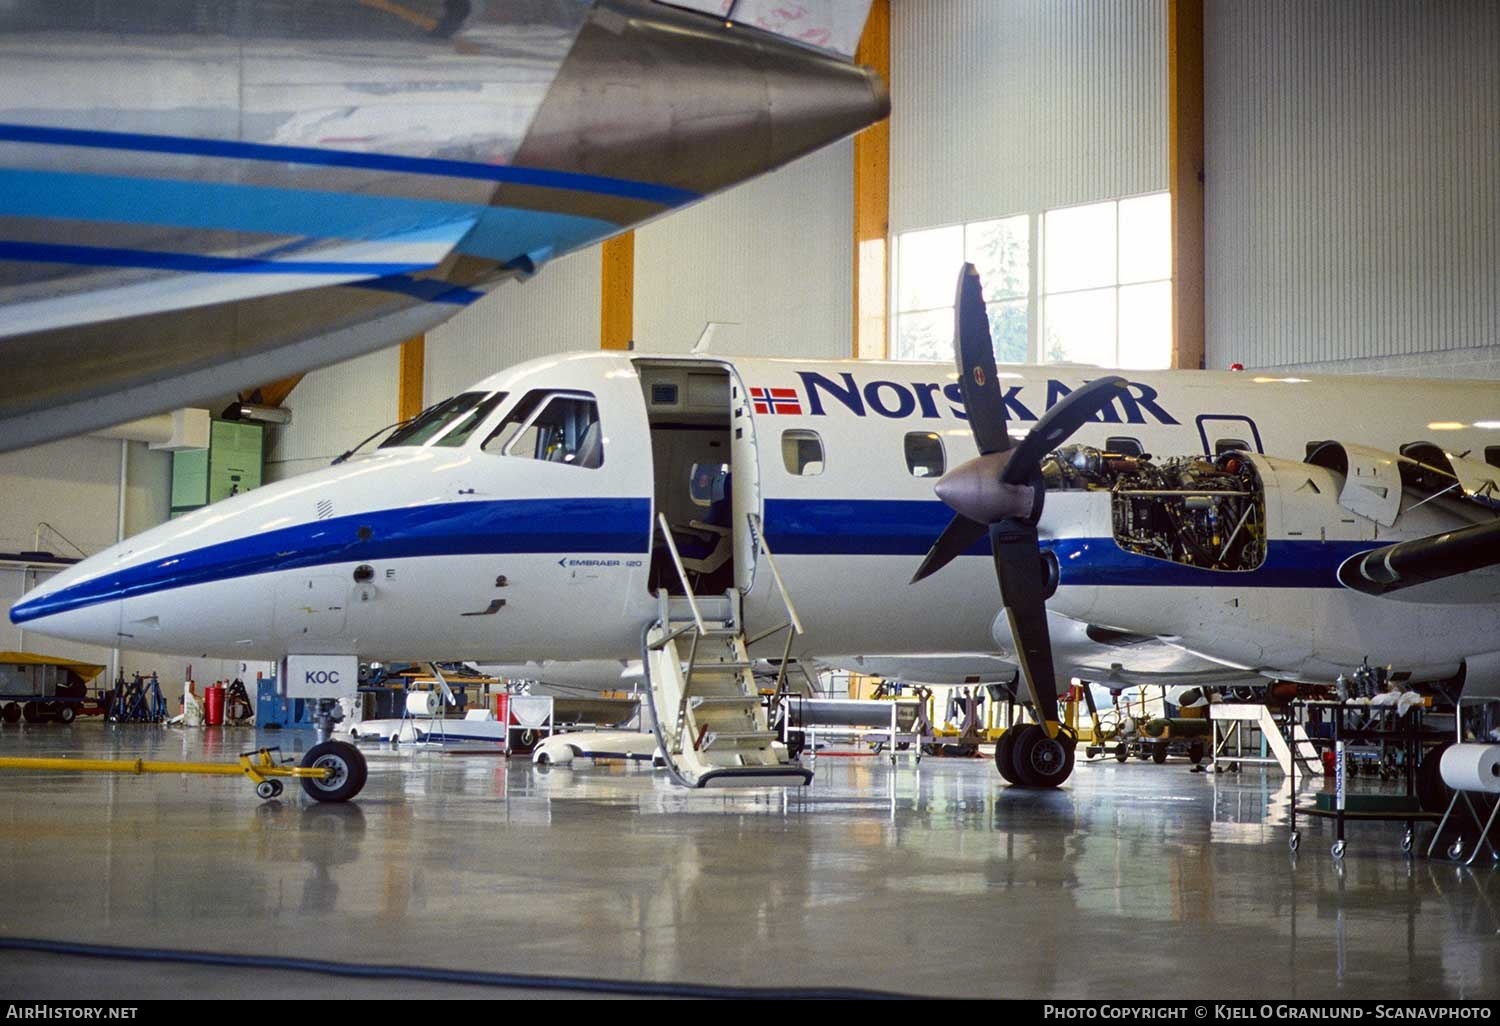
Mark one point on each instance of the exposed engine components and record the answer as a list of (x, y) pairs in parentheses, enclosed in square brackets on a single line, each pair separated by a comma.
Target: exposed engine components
[(1203, 511)]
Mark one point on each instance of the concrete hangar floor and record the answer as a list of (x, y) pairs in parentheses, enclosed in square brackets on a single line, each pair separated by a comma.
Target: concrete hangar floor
[(1133, 880)]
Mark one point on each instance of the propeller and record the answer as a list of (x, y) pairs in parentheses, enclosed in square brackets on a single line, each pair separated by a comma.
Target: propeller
[(1001, 491)]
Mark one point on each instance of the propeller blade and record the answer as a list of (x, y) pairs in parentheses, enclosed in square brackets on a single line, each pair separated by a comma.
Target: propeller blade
[(1073, 411), (955, 540), (1023, 588), (975, 354)]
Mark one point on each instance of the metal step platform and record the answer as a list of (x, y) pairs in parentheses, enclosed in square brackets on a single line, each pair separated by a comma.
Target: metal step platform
[(708, 716)]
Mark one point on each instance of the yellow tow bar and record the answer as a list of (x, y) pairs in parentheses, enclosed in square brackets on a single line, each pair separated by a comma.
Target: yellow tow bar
[(258, 765)]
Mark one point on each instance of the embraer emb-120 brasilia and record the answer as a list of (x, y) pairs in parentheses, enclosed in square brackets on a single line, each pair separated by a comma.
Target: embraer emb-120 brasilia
[(703, 512)]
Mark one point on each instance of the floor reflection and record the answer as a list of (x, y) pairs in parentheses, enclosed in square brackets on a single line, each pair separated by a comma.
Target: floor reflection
[(930, 878)]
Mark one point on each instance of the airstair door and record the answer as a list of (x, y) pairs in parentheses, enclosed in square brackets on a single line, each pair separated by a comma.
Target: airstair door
[(745, 459)]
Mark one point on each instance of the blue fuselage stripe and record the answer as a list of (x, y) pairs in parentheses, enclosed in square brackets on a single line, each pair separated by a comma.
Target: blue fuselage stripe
[(896, 527), (665, 195), (831, 528), (567, 526)]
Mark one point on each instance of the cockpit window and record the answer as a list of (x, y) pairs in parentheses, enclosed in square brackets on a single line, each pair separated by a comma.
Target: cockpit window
[(434, 420), (465, 425), (555, 427)]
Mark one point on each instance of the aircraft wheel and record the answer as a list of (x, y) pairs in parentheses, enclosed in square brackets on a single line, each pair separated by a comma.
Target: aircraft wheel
[(12, 712), (1005, 747), (1159, 753), (348, 775), (1122, 752), (1042, 761), (65, 714)]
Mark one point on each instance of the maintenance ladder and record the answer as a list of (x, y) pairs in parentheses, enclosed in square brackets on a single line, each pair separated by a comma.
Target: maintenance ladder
[(707, 712)]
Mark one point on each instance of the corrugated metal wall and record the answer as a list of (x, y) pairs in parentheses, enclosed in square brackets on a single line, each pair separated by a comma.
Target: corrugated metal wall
[(1012, 106), (332, 410), (557, 311), (1353, 185), (774, 257)]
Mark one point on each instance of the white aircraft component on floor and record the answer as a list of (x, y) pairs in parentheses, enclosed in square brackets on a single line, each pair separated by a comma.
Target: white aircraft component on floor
[(520, 520)]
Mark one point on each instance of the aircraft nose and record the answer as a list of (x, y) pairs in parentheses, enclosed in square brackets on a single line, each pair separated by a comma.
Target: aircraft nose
[(63, 608)]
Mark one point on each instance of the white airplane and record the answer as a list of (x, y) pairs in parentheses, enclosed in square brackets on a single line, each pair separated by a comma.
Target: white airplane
[(520, 521)]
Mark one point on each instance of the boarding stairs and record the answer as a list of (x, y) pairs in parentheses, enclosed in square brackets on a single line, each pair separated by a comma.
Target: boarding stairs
[(707, 711), (1230, 734)]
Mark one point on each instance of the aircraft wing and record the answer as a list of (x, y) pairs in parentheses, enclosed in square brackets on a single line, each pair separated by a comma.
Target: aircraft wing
[(194, 208), (1460, 567), (209, 279), (1098, 654)]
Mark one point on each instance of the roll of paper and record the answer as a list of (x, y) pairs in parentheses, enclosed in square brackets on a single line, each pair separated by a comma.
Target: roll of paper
[(422, 703), (1471, 767)]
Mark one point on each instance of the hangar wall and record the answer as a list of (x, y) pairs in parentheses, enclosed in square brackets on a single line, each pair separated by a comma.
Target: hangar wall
[(332, 409), (1013, 106), (773, 257), (557, 311), (74, 485), (1353, 186)]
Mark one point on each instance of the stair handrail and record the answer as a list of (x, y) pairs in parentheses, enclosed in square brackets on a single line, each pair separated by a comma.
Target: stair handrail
[(793, 621), (759, 534), (687, 589)]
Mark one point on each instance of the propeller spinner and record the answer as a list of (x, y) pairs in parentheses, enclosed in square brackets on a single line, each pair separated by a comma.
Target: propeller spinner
[(1000, 493)]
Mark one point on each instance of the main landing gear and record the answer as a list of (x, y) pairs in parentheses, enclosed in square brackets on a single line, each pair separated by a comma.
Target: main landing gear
[(1027, 757)]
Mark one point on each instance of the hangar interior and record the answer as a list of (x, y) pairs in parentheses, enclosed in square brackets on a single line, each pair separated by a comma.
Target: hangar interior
[(1297, 189)]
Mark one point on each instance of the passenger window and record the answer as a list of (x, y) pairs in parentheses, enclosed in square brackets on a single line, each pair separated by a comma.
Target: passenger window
[(553, 427), (924, 454), (705, 477), (460, 432), (802, 452)]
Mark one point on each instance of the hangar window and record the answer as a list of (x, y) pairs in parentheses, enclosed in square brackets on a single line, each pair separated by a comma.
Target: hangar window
[(554, 427), (924, 454), (1084, 284), (802, 452), (927, 265), (1107, 283)]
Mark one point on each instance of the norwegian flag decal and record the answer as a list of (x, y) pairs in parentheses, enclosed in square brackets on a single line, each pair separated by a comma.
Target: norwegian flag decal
[(776, 400)]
